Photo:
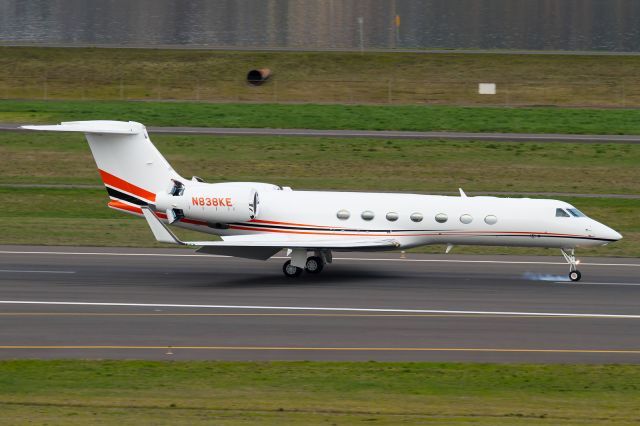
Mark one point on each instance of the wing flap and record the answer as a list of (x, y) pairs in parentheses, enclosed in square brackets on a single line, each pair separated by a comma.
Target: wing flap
[(336, 242), (257, 253)]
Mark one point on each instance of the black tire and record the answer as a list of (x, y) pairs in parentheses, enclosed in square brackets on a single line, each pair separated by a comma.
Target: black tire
[(575, 275), (289, 270), (314, 265)]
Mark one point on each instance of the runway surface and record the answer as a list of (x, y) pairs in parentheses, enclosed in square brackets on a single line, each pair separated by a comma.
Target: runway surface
[(385, 134), (70, 302)]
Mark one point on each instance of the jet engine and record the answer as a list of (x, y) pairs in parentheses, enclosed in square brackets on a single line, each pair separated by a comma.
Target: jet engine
[(211, 202)]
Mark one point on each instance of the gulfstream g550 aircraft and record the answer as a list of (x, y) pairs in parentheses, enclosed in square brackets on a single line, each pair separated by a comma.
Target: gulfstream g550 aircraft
[(257, 220)]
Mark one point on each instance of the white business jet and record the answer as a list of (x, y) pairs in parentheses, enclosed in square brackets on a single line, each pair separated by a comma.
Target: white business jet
[(257, 220)]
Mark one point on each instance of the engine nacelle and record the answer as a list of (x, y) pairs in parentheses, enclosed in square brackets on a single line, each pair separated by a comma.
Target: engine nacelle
[(213, 203)]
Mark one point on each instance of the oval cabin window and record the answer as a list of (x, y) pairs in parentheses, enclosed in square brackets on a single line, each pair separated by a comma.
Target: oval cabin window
[(416, 217), (441, 218), (343, 214), (491, 220), (367, 215), (466, 219), (392, 216)]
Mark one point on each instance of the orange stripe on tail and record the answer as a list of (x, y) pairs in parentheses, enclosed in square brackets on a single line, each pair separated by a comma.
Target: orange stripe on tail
[(122, 206), (123, 185)]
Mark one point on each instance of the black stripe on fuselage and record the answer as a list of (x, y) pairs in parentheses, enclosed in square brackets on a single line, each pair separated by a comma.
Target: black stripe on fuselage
[(125, 197), (441, 233), (303, 228)]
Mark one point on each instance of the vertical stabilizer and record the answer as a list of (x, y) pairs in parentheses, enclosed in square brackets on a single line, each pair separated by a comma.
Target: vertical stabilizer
[(131, 167)]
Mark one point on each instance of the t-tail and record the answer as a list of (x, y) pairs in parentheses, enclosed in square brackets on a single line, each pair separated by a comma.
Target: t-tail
[(131, 167)]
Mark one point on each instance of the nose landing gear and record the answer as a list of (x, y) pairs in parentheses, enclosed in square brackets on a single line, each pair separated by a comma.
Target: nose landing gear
[(570, 257)]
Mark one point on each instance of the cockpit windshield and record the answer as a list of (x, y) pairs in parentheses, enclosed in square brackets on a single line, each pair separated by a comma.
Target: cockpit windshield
[(573, 212), (576, 213)]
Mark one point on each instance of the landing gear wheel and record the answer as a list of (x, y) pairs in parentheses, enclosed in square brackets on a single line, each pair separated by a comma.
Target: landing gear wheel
[(570, 257), (314, 265), (291, 271)]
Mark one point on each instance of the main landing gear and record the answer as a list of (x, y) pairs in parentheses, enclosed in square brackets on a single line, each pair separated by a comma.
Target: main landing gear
[(570, 257), (300, 262)]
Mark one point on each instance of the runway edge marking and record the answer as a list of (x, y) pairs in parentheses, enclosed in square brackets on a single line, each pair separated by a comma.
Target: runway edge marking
[(319, 308)]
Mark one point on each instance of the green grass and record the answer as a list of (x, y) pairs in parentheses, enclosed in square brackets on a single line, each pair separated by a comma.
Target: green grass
[(328, 77), (73, 217), (314, 116), (236, 393), (346, 164)]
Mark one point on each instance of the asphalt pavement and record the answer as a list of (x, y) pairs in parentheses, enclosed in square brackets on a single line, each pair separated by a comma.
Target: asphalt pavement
[(72, 302), (384, 134)]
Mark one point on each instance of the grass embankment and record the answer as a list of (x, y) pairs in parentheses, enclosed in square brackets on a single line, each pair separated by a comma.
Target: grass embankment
[(345, 164), (79, 216), (310, 116), (334, 77), (141, 392)]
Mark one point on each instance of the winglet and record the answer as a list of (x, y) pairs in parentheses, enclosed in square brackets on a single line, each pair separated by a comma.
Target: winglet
[(160, 231)]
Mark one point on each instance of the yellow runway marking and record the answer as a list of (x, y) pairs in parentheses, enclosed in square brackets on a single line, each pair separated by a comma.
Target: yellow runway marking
[(343, 349)]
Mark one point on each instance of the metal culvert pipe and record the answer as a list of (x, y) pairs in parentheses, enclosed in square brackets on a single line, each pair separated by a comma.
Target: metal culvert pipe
[(258, 76)]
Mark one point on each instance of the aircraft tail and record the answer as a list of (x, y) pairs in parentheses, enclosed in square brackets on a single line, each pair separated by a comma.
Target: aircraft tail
[(131, 167)]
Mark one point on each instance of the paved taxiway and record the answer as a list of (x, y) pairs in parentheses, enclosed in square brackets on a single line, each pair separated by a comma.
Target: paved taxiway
[(384, 134), (172, 304)]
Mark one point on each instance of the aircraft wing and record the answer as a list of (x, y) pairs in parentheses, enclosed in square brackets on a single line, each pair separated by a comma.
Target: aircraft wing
[(264, 246)]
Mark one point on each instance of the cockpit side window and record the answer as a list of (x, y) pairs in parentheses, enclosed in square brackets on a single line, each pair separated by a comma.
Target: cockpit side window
[(576, 213), (562, 213)]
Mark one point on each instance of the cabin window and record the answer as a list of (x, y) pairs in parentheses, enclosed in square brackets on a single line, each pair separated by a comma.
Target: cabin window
[(561, 213), (343, 214), (466, 219), (416, 217), (392, 216), (367, 215), (576, 213), (441, 218), (491, 219)]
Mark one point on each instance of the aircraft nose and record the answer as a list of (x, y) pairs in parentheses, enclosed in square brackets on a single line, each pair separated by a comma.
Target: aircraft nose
[(604, 233), (611, 234), (615, 235)]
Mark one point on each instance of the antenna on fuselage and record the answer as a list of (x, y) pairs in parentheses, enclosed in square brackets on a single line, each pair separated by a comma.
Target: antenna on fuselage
[(462, 194)]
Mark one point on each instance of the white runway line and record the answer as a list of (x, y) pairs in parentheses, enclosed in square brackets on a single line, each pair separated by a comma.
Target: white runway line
[(364, 259), (80, 253), (27, 271), (318, 308), (587, 283)]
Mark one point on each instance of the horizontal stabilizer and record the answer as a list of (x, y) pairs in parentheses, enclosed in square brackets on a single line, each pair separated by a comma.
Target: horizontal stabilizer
[(96, 126)]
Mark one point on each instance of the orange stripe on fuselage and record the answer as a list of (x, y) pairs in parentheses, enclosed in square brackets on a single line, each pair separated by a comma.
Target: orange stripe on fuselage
[(347, 233), (114, 204), (125, 186)]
